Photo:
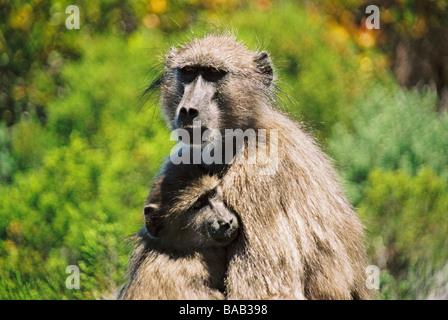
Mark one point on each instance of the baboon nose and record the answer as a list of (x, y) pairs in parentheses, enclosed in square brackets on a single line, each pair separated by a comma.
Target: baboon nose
[(224, 230), (193, 112), (187, 115), (224, 225)]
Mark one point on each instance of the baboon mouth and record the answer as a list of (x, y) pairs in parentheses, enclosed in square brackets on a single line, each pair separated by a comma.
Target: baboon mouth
[(226, 238), (223, 241)]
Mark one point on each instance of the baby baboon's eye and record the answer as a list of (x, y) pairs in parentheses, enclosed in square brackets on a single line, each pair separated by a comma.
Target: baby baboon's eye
[(212, 193), (202, 201), (198, 204)]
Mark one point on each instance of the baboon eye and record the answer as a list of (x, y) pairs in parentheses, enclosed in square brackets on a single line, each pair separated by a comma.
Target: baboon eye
[(212, 193), (188, 70), (202, 201), (188, 73), (198, 204), (213, 74)]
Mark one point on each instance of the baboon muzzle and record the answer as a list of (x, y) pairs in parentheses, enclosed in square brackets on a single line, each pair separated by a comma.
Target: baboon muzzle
[(186, 116), (223, 229), (195, 104)]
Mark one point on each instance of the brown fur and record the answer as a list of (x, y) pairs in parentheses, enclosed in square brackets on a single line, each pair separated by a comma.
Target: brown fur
[(310, 245), (300, 238), (156, 273), (183, 263)]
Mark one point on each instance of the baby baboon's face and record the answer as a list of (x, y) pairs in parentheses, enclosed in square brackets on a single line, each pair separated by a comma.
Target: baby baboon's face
[(196, 217), (212, 223)]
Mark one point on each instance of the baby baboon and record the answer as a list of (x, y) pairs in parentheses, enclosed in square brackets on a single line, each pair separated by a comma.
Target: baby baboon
[(301, 238), (181, 252)]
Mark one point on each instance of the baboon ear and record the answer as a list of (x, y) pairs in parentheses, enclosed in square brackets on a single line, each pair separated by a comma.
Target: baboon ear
[(263, 63), (152, 220)]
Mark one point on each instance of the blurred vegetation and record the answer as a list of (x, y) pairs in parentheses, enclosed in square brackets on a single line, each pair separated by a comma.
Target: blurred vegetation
[(78, 149), (395, 166)]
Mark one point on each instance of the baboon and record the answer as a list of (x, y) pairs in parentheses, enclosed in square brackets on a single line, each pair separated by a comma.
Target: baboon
[(181, 252), (300, 237)]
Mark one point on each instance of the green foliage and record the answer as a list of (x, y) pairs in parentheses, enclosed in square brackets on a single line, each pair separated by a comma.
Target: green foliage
[(32, 51), (395, 164), (7, 164), (406, 219), (392, 129), (80, 189)]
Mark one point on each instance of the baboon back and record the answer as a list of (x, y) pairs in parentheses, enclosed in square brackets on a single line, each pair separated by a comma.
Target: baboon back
[(301, 238)]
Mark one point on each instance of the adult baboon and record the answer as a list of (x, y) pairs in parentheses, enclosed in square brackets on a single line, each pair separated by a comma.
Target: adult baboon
[(301, 238), (181, 252)]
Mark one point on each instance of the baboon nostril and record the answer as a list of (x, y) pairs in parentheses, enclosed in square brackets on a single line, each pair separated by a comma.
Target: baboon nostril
[(224, 224), (223, 230), (186, 116), (193, 112)]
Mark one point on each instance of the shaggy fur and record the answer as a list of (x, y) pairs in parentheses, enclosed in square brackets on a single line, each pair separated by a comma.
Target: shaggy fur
[(300, 238), (160, 273), (181, 261)]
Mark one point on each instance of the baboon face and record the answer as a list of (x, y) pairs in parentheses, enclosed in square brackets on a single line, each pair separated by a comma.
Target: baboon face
[(192, 217), (217, 81)]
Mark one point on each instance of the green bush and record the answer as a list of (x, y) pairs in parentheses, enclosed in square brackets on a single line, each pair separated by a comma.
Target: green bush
[(406, 221), (80, 191), (392, 129), (7, 163), (395, 167)]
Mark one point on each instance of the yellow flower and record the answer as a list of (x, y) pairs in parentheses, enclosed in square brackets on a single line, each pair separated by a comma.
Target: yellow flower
[(157, 6)]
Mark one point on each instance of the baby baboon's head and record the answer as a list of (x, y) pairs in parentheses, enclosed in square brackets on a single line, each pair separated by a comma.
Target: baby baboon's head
[(186, 209)]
